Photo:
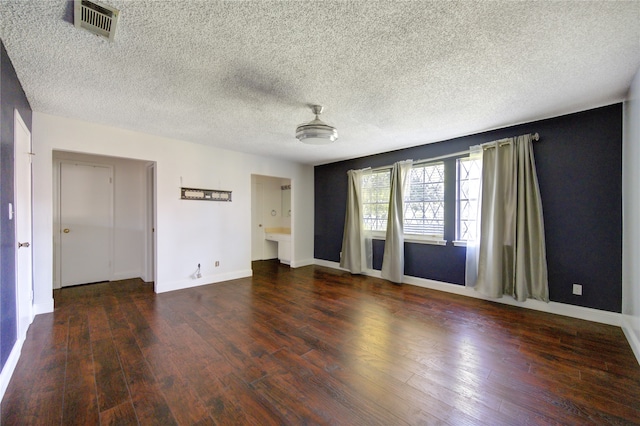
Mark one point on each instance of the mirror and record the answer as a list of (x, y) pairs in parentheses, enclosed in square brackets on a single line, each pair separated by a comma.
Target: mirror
[(286, 202)]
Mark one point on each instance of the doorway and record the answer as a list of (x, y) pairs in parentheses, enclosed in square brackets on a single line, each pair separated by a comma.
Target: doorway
[(23, 217), (104, 216), (271, 213)]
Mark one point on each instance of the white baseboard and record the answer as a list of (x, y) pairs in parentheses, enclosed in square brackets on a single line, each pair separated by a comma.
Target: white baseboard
[(329, 264), (43, 308), (631, 328), (580, 312), (301, 263), (10, 366), (126, 275), (209, 279)]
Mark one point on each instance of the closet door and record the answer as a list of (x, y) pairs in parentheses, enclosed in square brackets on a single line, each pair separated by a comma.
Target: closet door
[(86, 221)]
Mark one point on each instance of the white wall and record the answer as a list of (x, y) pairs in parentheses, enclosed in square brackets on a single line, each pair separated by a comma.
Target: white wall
[(187, 232), (272, 202), (631, 218), (130, 192), (285, 199)]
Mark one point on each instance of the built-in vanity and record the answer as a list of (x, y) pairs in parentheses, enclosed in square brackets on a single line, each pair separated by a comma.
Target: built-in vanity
[(281, 236), (271, 219)]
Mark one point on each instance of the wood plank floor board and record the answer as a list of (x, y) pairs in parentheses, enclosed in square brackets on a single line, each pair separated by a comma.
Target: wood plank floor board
[(123, 414), (218, 401), (624, 383), (173, 340), (605, 394), (314, 345), (250, 361), (99, 328), (110, 380), (387, 368), (252, 406), (317, 398), (290, 400), (523, 416), (354, 391), (481, 406), (406, 402), (80, 398), (148, 399), (549, 399), (183, 401)]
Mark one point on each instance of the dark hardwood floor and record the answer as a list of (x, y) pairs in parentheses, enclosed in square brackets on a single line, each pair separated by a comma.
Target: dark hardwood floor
[(314, 346)]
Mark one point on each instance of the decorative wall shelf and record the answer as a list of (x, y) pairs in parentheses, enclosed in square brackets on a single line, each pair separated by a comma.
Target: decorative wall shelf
[(204, 194)]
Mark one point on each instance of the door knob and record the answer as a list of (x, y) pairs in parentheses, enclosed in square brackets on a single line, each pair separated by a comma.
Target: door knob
[(23, 245), (66, 230)]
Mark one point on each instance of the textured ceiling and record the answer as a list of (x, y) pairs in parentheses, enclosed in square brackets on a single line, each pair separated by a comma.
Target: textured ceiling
[(240, 74)]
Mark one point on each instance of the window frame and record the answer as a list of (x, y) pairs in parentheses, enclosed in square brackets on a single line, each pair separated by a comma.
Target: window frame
[(376, 233), (380, 234), (427, 238), (458, 240)]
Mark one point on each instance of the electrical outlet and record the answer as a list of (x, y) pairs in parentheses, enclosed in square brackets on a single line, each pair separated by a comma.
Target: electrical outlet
[(217, 263), (577, 289)]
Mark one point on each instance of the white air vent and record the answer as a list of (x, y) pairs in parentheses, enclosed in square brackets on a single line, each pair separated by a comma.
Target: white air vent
[(95, 17)]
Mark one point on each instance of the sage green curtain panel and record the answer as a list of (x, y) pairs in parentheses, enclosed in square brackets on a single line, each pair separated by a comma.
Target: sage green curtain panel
[(356, 245), (531, 279), (393, 260), (473, 249), (511, 257)]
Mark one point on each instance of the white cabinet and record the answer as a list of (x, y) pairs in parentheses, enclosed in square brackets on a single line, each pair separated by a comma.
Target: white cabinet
[(284, 251), (284, 245)]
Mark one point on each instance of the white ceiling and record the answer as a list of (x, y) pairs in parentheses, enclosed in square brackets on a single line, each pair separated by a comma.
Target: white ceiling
[(239, 74)]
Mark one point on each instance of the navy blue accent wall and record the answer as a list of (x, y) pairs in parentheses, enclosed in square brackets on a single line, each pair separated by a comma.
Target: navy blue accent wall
[(11, 97), (579, 163)]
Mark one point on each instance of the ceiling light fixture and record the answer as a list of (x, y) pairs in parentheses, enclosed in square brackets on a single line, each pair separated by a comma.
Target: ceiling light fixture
[(316, 132)]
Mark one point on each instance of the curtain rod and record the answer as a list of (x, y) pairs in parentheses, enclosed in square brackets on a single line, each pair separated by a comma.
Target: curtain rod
[(487, 145), (534, 137)]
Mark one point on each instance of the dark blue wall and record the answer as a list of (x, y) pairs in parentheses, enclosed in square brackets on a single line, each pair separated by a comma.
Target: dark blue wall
[(579, 163), (11, 97)]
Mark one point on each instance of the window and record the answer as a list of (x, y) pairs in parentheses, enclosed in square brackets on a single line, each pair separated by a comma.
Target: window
[(424, 201), (425, 219), (467, 190), (376, 187)]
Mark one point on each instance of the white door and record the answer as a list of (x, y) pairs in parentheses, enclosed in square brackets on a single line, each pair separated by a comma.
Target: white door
[(24, 265), (86, 220), (257, 230)]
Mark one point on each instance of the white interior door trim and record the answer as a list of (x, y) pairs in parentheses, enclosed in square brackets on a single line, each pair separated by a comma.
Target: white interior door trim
[(23, 234), (150, 225), (57, 229)]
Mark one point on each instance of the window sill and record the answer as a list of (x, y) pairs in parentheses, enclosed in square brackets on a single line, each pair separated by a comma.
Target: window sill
[(414, 239), (457, 243), (377, 235), (424, 240)]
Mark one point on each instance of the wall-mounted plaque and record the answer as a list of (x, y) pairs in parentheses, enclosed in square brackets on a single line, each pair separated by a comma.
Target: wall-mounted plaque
[(204, 194)]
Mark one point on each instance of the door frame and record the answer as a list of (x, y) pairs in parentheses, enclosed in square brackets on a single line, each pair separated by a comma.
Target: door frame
[(150, 225), (57, 228), (256, 217), (255, 178), (21, 327)]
